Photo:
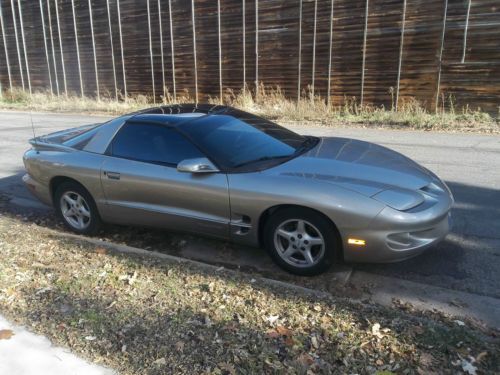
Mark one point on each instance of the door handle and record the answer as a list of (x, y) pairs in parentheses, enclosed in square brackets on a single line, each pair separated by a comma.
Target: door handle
[(112, 175)]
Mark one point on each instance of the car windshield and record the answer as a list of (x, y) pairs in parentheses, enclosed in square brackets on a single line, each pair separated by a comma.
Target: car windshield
[(235, 139)]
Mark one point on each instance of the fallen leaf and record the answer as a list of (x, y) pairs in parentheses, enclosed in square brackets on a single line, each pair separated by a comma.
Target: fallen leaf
[(305, 359), (481, 356), (100, 251), (272, 334), (227, 367), (160, 361), (376, 331), (315, 342), (468, 367), (283, 331), (6, 334), (179, 345), (418, 330), (289, 341), (272, 318)]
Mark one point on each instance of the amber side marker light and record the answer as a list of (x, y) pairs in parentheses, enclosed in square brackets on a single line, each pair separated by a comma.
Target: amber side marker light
[(356, 241)]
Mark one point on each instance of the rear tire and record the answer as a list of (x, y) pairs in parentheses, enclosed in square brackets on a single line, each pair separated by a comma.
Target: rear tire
[(301, 241), (76, 208)]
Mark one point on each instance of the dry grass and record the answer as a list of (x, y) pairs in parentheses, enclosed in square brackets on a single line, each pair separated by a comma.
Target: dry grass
[(272, 104), (142, 315)]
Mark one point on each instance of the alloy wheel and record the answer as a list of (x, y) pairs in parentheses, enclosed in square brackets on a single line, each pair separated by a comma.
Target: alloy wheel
[(299, 243), (75, 210)]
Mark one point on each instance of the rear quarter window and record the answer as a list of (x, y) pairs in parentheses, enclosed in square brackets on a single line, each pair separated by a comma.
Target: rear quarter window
[(81, 140)]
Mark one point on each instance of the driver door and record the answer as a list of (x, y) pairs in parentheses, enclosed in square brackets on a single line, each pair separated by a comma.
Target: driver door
[(142, 185)]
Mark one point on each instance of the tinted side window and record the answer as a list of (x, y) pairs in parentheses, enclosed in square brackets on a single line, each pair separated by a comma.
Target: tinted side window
[(152, 143)]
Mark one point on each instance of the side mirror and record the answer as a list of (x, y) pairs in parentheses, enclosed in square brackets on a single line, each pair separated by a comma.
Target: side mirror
[(198, 165)]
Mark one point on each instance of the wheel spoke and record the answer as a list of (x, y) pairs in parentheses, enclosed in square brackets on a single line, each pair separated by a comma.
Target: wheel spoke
[(79, 200), (289, 252), (80, 221), (315, 241), (68, 200), (84, 211), (65, 210), (308, 256), (285, 234), (301, 227)]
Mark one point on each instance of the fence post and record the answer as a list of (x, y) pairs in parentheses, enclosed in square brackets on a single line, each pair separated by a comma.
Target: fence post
[(364, 54), (24, 45), (161, 50), (330, 55), (77, 47), (220, 52), (299, 64), (5, 47), (112, 49), (438, 85), (314, 47), (93, 49), (401, 43), (256, 48), (244, 47), (172, 47), (466, 30), (151, 52), (46, 49), (53, 48), (194, 53), (13, 9), (61, 48), (121, 49)]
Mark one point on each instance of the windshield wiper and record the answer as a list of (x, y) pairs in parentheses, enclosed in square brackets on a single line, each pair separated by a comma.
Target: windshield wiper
[(264, 158)]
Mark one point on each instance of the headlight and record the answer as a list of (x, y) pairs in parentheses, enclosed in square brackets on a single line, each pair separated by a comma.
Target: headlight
[(399, 199)]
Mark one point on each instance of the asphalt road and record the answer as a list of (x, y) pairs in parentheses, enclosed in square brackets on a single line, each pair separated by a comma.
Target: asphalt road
[(468, 260)]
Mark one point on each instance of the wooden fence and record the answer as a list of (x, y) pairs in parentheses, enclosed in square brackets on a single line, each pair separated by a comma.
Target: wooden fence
[(377, 52)]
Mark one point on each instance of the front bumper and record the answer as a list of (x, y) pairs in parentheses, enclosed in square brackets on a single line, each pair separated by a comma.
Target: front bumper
[(399, 235), (39, 190)]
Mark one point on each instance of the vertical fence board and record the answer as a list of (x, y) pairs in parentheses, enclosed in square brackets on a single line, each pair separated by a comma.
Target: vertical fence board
[(5, 49), (14, 17), (346, 51)]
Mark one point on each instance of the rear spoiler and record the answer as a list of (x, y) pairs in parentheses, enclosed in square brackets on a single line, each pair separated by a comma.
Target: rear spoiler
[(40, 145)]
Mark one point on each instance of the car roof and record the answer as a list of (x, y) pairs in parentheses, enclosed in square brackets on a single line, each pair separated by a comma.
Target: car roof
[(173, 115)]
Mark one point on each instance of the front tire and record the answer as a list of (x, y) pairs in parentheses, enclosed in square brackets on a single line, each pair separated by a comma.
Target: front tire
[(77, 209), (301, 241)]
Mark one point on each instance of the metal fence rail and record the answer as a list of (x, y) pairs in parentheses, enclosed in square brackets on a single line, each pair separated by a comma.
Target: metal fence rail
[(373, 52)]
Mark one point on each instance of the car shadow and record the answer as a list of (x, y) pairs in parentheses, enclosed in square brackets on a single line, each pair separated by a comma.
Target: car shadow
[(16, 200), (467, 260)]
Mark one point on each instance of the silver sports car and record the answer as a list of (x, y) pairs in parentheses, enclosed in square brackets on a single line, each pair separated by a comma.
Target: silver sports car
[(222, 172)]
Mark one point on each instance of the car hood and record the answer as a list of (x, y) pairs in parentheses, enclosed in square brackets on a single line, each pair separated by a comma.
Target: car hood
[(356, 165)]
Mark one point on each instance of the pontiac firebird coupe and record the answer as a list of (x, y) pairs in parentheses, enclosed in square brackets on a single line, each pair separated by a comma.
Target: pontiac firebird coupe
[(219, 171)]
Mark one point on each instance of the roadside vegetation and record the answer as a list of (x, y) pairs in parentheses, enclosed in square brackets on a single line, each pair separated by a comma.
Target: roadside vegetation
[(143, 315), (272, 104)]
